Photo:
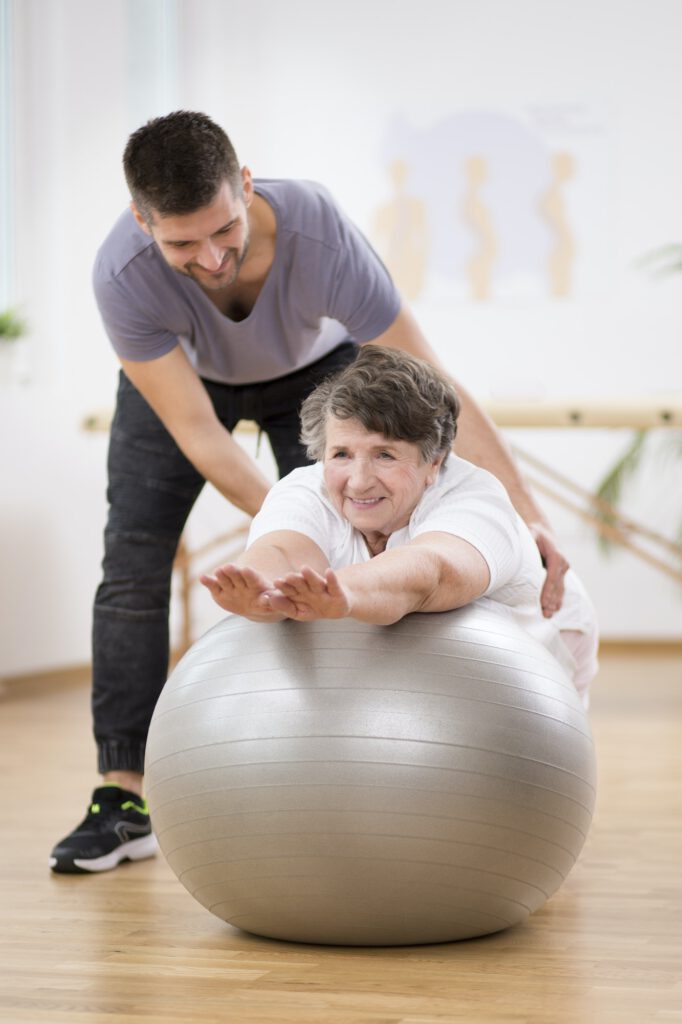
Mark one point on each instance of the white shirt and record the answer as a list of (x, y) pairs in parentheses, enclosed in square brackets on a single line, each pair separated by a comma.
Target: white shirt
[(465, 501)]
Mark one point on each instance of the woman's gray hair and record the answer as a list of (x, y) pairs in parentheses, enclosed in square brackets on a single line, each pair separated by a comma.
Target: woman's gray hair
[(390, 393)]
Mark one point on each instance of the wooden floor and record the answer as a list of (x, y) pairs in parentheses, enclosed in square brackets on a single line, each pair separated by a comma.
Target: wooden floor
[(132, 946)]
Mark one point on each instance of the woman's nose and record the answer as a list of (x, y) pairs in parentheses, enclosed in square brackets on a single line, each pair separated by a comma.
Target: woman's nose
[(361, 474)]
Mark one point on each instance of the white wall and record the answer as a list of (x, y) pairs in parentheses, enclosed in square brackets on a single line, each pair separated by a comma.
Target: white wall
[(309, 89)]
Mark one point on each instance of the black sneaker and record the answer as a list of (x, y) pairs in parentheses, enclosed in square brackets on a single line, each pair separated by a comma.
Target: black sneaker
[(116, 828)]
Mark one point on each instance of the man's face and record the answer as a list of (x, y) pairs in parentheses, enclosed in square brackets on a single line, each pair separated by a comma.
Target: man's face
[(208, 245)]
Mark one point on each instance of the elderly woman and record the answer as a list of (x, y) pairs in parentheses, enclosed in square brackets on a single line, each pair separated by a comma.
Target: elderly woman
[(388, 521)]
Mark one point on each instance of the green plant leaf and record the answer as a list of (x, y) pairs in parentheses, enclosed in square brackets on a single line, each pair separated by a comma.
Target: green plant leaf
[(11, 325), (611, 487), (667, 259)]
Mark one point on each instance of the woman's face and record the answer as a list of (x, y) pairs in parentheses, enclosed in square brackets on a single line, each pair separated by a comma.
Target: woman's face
[(374, 482)]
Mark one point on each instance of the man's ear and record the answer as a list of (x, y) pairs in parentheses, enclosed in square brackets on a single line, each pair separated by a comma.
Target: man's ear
[(247, 186), (139, 218)]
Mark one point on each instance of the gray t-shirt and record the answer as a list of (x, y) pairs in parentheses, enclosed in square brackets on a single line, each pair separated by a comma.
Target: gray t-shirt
[(326, 284)]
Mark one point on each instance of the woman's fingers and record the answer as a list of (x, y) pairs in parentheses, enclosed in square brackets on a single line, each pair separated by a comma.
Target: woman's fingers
[(306, 581), (211, 582), (292, 608), (228, 576), (333, 586), (235, 577)]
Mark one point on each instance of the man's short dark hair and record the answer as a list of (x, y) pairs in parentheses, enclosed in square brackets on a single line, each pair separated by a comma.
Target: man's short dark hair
[(176, 164)]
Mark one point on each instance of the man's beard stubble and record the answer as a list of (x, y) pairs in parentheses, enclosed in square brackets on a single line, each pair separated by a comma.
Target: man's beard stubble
[(235, 256)]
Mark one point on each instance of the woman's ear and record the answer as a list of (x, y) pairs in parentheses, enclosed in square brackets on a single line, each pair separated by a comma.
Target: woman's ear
[(434, 469)]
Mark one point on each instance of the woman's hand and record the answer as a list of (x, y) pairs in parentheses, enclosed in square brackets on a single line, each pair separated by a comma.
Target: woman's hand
[(244, 591), (306, 595)]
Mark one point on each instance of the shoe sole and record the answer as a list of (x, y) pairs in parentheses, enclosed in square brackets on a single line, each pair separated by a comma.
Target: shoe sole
[(135, 849)]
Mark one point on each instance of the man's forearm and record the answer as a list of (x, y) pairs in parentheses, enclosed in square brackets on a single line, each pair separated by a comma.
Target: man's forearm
[(225, 464), (479, 441)]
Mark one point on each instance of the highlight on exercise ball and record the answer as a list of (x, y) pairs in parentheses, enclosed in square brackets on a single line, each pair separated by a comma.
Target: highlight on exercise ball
[(342, 783)]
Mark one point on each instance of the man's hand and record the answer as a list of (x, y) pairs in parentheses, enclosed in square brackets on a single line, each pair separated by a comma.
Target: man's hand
[(552, 595), (306, 595), (243, 591)]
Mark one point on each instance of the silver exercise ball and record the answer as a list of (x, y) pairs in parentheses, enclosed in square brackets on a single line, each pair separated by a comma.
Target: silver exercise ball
[(341, 783)]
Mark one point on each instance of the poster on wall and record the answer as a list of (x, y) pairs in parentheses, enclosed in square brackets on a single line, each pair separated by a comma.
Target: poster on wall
[(497, 205)]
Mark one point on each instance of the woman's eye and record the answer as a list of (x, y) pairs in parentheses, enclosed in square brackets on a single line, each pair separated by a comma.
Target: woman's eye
[(386, 456), (340, 455)]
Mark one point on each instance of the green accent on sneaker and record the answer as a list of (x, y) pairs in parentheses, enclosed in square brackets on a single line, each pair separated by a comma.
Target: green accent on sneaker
[(129, 804), (117, 827)]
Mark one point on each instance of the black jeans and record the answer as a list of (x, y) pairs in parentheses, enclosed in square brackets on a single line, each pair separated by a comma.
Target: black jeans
[(152, 488)]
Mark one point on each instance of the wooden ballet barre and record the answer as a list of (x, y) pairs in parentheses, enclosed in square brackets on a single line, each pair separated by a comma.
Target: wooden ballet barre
[(99, 422), (614, 413)]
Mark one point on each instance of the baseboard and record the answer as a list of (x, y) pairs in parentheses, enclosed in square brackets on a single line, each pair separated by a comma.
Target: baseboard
[(58, 678), (646, 645)]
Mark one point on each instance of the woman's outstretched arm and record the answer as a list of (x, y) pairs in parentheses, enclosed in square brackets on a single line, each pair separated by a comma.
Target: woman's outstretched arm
[(244, 586), (433, 573)]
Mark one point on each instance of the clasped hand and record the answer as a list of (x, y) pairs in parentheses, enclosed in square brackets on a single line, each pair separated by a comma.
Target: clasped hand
[(303, 595)]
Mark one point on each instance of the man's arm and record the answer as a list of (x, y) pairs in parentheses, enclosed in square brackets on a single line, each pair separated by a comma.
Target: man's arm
[(433, 573), (479, 441), (179, 399)]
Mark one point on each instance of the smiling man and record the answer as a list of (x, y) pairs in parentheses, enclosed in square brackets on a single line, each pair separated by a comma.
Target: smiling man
[(225, 297)]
